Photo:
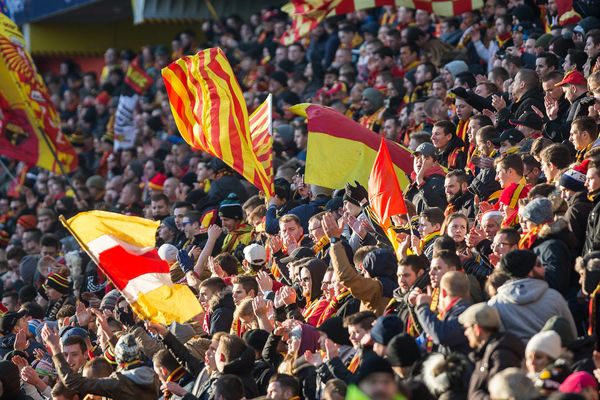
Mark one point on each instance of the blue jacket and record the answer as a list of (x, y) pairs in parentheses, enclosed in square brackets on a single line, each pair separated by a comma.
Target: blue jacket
[(447, 334)]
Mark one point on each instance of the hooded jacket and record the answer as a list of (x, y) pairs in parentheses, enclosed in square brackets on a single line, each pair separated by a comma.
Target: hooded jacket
[(578, 211), (501, 351), (139, 383), (242, 368), (375, 292), (526, 304), (533, 97), (221, 315), (431, 192), (553, 248)]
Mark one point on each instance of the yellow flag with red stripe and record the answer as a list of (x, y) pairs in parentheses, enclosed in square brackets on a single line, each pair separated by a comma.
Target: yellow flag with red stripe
[(210, 112), (261, 129)]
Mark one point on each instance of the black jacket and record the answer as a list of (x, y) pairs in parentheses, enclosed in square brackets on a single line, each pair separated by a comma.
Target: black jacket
[(502, 350), (464, 204), (221, 316), (533, 97), (577, 215), (485, 184), (592, 232), (460, 160), (221, 187), (558, 129), (430, 194), (242, 367)]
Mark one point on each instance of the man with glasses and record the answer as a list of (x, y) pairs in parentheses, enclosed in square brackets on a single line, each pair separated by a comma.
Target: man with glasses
[(505, 241)]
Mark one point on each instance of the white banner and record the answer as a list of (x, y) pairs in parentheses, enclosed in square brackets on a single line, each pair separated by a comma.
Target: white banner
[(124, 125)]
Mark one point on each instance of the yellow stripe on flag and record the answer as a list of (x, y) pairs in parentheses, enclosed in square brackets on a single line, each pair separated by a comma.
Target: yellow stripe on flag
[(167, 304)]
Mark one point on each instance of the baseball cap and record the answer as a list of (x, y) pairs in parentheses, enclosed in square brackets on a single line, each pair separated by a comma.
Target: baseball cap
[(427, 149), (514, 136), (298, 254), (480, 314), (530, 120), (255, 254), (9, 320), (573, 77)]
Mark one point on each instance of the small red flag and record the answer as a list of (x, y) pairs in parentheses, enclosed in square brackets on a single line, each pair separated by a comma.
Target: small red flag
[(385, 196)]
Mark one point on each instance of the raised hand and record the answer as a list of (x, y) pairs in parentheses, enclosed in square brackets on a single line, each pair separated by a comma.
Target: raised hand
[(331, 227), (83, 315), (265, 283), (21, 342), (214, 231), (259, 305), (173, 388), (51, 339), (275, 243), (156, 329)]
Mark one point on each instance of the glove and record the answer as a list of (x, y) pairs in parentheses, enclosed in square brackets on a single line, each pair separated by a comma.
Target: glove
[(125, 316), (460, 92), (185, 261), (358, 193)]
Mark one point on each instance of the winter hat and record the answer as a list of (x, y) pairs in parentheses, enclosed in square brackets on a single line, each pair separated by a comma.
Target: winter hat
[(110, 300), (544, 41), (355, 194), (574, 178), (538, 211), (231, 207), (385, 328), (561, 326), (167, 252), (27, 221), (577, 382), (189, 179), (169, 222), (286, 132), (456, 67), (374, 96), (45, 368), (58, 282), (518, 263), (334, 204), (157, 182), (183, 332), (95, 181), (371, 364), (256, 338), (127, 349), (282, 188), (68, 331), (403, 351), (335, 331), (545, 342), (9, 320), (109, 355)]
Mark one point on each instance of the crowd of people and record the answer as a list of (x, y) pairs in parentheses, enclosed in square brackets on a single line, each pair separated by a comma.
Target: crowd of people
[(489, 291)]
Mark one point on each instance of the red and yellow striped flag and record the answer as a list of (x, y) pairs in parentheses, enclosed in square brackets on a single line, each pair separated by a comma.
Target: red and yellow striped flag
[(307, 14), (210, 111), (261, 129)]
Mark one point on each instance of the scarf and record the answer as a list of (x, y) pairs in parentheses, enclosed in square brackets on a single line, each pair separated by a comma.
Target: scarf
[(528, 238), (320, 245), (241, 235), (503, 39), (333, 306), (580, 156), (354, 363), (174, 376), (435, 301), (592, 307), (461, 130)]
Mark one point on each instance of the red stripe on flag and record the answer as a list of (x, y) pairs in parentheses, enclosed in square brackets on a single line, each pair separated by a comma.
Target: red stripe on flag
[(114, 259)]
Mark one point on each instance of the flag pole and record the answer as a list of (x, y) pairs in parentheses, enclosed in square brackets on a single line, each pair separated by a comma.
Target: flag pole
[(60, 165), (10, 175)]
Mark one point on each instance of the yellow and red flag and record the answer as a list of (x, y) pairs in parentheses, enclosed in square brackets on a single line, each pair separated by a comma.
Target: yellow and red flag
[(137, 78), (307, 14), (210, 111), (123, 247), (341, 150), (29, 123), (385, 196), (261, 129)]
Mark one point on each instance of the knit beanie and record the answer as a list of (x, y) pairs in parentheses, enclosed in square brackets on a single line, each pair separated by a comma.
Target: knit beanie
[(545, 342), (58, 282), (95, 181), (169, 222), (256, 338), (518, 263), (110, 299), (27, 221), (127, 349), (157, 182), (335, 331), (538, 211), (374, 96), (574, 178), (231, 207), (403, 351), (385, 328), (286, 133), (456, 67), (371, 364)]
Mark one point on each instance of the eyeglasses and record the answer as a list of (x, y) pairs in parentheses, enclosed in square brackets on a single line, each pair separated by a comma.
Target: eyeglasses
[(501, 244)]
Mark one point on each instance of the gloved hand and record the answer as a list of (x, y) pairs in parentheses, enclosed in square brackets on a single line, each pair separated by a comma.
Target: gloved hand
[(460, 92), (125, 315), (185, 261), (358, 192)]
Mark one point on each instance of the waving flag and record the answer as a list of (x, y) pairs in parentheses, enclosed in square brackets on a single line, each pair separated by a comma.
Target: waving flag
[(307, 14), (341, 150), (210, 111), (385, 196), (123, 247), (261, 128), (29, 123)]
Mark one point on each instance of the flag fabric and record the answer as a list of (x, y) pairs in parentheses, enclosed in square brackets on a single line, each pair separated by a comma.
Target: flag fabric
[(137, 78), (385, 196), (210, 111), (29, 121), (341, 150), (124, 248), (261, 130), (307, 14)]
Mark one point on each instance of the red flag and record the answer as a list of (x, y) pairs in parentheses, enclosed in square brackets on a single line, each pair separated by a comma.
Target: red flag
[(385, 195)]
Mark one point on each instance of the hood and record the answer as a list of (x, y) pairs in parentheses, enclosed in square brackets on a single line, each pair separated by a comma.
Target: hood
[(140, 376), (522, 291), (9, 376), (241, 365), (382, 265), (317, 269), (310, 339), (558, 229), (224, 299)]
